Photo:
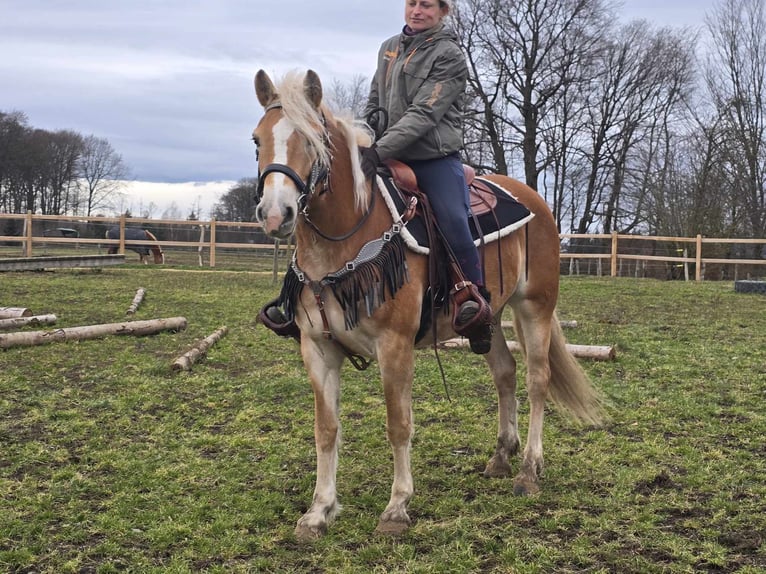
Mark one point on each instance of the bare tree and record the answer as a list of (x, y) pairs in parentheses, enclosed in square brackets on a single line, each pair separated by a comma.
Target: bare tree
[(63, 154), (736, 81), (14, 129), (646, 73), (102, 174), (523, 55), (349, 97)]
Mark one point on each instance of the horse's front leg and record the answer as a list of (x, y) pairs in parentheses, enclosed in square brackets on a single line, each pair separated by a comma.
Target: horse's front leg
[(323, 365), (397, 360)]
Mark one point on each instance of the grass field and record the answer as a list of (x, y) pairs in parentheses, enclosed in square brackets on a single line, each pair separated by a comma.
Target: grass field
[(111, 463)]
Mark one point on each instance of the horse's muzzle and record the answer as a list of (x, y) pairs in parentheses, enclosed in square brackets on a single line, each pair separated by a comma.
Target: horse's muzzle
[(278, 222)]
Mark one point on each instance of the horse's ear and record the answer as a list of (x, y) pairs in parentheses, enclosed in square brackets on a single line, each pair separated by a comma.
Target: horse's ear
[(312, 87), (264, 88)]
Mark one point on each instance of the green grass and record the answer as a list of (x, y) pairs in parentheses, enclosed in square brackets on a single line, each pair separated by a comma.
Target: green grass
[(111, 463)]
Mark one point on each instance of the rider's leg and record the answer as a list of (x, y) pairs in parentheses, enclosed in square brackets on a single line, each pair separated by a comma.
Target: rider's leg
[(443, 180)]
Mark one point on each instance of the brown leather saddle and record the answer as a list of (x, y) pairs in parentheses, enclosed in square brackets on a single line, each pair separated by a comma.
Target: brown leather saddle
[(483, 199)]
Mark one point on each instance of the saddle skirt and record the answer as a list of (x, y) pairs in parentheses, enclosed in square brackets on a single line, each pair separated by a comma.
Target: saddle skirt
[(494, 211)]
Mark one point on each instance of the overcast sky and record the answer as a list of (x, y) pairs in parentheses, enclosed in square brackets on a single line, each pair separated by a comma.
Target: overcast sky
[(169, 83)]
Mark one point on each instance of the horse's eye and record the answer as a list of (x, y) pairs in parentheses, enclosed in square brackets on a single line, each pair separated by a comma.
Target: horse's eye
[(257, 146)]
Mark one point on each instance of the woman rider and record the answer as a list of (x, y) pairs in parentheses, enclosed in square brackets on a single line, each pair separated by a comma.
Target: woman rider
[(420, 81)]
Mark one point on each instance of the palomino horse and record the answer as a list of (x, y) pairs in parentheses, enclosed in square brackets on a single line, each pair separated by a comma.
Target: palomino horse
[(136, 234), (311, 184)]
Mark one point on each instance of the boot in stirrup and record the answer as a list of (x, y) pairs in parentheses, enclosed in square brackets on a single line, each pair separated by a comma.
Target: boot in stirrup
[(472, 316), (273, 318)]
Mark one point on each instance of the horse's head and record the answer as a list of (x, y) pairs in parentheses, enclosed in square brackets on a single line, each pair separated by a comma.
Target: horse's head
[(292, 151)]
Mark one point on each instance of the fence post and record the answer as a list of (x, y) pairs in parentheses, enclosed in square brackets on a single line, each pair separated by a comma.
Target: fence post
[(275, 261), (614, 254), (29, 234), (201, 242), (121, 249), (212, 242), (698, 262)]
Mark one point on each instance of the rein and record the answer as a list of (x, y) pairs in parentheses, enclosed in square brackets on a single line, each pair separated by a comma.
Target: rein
[(346, 235)]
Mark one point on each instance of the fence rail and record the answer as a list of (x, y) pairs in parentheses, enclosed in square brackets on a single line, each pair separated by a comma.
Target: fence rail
[(25, 235)]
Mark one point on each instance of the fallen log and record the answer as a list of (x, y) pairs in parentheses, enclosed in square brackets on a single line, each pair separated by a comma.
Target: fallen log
[(185, 361), (16, 322), (136, 301), (13, 312), (135, 328), (595, 352), (564, 324)]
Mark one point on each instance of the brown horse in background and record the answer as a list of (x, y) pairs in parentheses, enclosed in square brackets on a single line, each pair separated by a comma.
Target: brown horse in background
[(136, 234), (311, 184)]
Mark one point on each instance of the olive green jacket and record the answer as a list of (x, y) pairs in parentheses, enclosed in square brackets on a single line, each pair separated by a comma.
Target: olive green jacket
[(420, 81)]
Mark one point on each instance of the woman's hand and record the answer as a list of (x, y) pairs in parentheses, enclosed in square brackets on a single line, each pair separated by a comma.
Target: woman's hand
[(370, 161)]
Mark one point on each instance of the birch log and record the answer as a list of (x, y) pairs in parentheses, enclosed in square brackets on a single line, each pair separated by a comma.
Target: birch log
[(595, 352), (185, 361), (13, 312), (17, 322), (564, 324), (136, 328), (136, 301)]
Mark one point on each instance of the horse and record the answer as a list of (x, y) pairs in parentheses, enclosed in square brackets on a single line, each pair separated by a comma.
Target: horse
[(311, 185), (136, 234)]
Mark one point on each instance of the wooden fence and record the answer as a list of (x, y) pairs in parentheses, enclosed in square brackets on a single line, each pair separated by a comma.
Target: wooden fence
[(201, 242)]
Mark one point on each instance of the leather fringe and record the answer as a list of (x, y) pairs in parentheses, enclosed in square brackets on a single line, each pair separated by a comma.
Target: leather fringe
[(371, 282)]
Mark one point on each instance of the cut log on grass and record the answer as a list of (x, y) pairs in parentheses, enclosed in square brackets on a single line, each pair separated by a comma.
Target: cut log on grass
[(185, 361), (17, 322), (13, 312), (136, 301), (136, 328), (595, 352), (564, 324)]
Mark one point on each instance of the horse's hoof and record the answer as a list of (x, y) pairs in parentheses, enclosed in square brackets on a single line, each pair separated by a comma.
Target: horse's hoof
[(392, 527), (524, 486), (497, 469), (308, 534)]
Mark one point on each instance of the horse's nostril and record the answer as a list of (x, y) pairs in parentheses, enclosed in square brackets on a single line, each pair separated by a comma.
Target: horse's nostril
[(259, 214), (289, 213)]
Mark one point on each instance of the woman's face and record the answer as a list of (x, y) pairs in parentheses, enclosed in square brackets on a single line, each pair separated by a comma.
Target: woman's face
[(421, 15)]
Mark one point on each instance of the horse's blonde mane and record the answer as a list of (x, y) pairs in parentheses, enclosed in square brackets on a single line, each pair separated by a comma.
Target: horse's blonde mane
[(310, 123)]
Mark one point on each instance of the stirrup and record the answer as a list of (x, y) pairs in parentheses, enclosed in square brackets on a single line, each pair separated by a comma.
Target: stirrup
[(472, 316), (273, 318)]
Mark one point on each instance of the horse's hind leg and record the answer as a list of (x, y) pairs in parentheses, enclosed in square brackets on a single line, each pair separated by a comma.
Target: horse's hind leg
[(323, 367), (533, 328), (502, 365)]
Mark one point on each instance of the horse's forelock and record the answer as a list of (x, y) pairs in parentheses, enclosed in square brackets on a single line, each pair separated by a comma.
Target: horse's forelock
[(310, 122), (306, 119)]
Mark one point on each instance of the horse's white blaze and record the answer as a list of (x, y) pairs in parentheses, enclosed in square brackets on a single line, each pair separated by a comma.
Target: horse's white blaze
[(279, 191)]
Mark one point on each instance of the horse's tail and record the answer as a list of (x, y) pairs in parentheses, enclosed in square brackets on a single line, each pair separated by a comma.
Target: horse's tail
[(570, 387), (159, 256)]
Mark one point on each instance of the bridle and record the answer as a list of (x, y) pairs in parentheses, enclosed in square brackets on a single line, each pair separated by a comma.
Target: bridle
[(319, 175)]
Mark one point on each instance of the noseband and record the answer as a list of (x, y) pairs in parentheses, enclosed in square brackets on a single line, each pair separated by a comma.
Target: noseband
[(318, 174)]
